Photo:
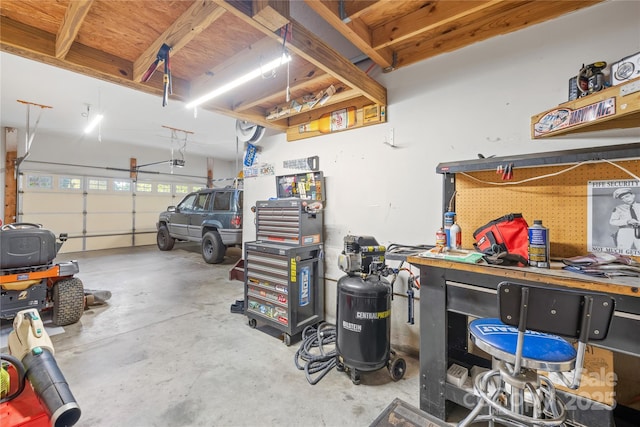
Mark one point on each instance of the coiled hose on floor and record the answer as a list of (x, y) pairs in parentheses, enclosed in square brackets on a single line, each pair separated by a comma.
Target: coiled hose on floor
[(317, 359)]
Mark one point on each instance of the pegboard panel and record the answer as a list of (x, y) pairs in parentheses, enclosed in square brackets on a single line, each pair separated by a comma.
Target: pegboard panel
[(559, 200)]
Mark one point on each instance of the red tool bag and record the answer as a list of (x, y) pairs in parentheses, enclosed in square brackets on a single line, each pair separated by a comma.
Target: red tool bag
[(504, 240)]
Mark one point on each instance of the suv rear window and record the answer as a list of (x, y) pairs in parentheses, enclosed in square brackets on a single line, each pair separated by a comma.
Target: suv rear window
[(222, 201)]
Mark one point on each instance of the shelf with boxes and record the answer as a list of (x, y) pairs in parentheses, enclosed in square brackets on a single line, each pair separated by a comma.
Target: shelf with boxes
[(616, 107)]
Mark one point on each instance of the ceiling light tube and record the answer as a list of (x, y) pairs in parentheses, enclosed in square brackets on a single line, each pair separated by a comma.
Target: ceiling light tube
[(270, 66), (91, 126)]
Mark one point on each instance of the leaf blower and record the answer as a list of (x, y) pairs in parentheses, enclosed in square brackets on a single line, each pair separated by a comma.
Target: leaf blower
[(31, 347)]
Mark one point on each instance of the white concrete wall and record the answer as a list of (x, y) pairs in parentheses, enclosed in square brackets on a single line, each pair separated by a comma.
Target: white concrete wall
[(479, 99)]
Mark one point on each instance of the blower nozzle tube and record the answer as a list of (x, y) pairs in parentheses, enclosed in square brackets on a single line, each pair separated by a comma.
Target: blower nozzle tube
[(51, 387)]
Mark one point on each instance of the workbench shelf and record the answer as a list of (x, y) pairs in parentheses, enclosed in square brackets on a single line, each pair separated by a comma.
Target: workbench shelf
[(471, 189), (611, 152), (453, 292), (616, 107)]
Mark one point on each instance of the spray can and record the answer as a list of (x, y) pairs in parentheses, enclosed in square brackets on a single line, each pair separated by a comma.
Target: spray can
[(538, 245), (449, 219), (456, 237)]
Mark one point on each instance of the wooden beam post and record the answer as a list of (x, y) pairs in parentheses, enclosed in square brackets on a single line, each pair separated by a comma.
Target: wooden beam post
[(133, 168), (10, 188)]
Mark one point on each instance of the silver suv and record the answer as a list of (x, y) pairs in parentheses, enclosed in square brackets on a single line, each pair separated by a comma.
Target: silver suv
[(211, 217)]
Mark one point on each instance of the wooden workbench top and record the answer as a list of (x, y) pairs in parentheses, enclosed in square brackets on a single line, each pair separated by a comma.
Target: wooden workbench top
[(555, 275)]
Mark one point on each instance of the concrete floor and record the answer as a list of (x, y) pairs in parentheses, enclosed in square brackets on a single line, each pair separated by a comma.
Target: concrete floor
[(166, 351)]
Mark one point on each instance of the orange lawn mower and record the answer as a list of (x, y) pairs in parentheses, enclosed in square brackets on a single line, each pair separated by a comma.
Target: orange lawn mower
[(30, 279), (33, 391)]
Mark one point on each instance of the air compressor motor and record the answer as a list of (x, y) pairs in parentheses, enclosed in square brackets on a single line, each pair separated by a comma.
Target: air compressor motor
[(364, 311)]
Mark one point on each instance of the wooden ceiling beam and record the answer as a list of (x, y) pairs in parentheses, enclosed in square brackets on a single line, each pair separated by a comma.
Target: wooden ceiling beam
[(73, 19), (192, 22), (38, 45), (308, 46), (312, 49), (437, 14), (19, 37), (273, 14), (354, 9), (442, 40), (354, 30)]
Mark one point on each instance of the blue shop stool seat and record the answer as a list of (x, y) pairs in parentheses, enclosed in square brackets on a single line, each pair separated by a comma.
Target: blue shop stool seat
[(527, 338)]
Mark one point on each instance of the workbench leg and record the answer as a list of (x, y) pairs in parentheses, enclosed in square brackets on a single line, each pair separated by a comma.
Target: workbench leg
[(433, 342)]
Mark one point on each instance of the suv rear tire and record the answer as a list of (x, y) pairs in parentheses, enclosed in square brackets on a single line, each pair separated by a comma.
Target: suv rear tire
[(212, 248), (164, 240)]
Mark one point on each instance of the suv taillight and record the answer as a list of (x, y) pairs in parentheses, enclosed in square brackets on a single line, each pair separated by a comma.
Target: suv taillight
[(236, 221)]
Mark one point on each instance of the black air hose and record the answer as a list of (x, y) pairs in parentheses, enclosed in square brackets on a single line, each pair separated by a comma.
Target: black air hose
[(323, 362)]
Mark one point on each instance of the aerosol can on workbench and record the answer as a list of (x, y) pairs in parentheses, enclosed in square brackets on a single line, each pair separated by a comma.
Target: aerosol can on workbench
[(538, 245), (455, 234), (449, 219)]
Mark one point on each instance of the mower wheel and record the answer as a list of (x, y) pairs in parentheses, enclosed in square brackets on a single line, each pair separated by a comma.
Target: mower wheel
[(68, 301), (164, 240), (212, 248)]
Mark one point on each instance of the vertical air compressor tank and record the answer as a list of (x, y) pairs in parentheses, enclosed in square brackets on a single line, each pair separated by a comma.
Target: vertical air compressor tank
[(363, 322)]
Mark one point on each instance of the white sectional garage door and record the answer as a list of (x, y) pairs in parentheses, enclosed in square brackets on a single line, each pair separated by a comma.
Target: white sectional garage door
[(97, 213)]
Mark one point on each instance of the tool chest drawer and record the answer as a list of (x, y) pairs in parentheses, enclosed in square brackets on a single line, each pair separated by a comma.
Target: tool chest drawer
[(287, 221)]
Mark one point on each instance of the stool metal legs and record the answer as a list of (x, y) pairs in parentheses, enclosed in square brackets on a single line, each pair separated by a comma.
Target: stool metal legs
[(522, 400)]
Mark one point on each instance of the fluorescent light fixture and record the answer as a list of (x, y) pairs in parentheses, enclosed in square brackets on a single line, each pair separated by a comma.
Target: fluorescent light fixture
[(270, 66), (91, 126)]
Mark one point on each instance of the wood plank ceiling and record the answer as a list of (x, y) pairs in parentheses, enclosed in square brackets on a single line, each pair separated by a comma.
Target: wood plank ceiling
[(215, 41)]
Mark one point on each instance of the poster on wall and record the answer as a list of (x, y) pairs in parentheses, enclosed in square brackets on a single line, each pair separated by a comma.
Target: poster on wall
[(614, 217)]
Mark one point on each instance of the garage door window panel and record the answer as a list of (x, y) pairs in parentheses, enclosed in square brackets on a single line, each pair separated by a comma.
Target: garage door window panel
[(70, 183)]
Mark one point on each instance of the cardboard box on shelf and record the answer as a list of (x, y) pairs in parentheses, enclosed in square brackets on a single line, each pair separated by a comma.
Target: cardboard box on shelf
[(628, 380)]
